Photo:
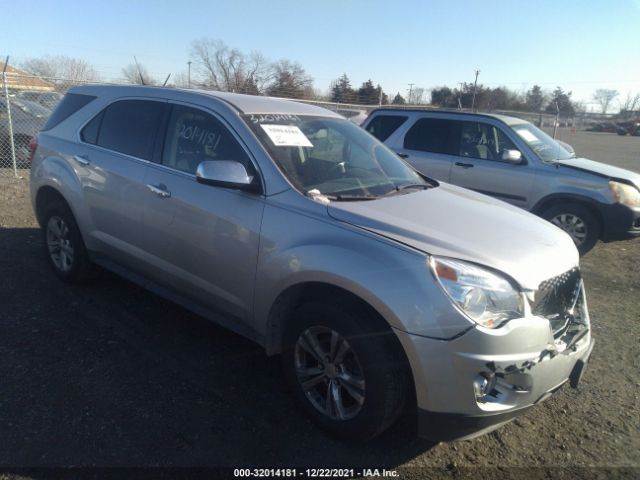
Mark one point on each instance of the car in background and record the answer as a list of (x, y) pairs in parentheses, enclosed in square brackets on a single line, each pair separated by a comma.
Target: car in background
[(513, 160), (629, 128), (26, 119), (292, 226), (603, 127), (46, 99), (31, 108)]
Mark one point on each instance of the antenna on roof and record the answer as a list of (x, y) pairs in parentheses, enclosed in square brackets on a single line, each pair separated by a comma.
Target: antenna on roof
[(6, 62), (139, 71), (165, 82)]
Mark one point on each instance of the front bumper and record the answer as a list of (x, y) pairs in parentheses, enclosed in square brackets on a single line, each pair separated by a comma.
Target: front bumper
[(452, 426), (525, 359), (619, 222)]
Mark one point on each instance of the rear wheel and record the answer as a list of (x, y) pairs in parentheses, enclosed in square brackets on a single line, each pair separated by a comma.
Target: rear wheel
[(349, 376), (63, 244), (578, 221)]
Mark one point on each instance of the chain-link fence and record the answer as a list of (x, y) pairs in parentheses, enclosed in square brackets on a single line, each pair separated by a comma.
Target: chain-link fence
[(26, 101)]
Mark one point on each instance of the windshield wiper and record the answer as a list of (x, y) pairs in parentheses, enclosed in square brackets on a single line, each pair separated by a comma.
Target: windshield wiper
[(407, 186)]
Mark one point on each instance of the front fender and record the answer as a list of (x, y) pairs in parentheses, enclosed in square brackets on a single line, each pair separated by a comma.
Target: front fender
[(393, 279)]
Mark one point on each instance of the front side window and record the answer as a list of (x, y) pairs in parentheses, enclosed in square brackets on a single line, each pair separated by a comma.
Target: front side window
[(383, 126), (194, 136), (332, 156), (129, 127), (483, 141), (433, 135)]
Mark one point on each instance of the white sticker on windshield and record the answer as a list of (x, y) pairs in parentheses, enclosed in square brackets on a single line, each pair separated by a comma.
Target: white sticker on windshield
[(286, 136), (527, 135)]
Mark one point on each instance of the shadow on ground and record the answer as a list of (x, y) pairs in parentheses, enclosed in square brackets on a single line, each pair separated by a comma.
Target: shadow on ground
[(109, 374)]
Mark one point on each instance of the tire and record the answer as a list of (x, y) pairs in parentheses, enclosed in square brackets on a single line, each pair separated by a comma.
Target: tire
[(63, 245), (373, 356), (586, 230)]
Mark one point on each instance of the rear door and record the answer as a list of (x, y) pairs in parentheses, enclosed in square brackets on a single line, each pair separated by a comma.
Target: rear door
[(480, 166), (112, 159), (430, 146), (202, 240)]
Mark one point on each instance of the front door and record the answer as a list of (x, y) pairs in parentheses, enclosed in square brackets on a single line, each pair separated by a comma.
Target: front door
[(480, 166), (202, 240)]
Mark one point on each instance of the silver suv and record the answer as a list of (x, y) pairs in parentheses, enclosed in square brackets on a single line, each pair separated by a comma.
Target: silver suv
[(512, 160), (288, 224)]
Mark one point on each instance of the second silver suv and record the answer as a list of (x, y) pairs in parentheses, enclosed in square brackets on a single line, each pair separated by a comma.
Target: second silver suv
[(295, 228), (514, 161)]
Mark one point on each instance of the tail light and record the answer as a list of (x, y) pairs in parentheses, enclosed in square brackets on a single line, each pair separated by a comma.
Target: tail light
[(33, 145)]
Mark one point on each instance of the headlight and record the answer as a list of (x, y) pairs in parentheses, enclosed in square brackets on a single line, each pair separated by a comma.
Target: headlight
[(625, 194), (485, 297)]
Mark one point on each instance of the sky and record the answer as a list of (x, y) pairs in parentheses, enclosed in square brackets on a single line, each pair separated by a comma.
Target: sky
[(578, 45)]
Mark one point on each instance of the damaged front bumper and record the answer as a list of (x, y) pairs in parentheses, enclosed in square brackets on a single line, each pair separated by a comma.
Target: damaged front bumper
[(476, 382)]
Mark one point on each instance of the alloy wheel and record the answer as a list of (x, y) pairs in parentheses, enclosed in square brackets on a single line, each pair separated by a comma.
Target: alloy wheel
[(573, 225), (59, 244), (329, 372)]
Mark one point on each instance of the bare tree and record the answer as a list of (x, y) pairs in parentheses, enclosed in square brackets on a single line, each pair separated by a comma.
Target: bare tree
[(228, 69), (416, 96), (137, 74), (631, 103), (61, 67), (604, 96), (289, 80)]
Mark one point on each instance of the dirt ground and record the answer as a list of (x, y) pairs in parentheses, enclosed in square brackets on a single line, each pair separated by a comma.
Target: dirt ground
[(111, 375)]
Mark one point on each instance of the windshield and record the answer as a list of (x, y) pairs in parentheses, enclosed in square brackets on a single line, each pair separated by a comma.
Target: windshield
[(332, 157), (542, 144)]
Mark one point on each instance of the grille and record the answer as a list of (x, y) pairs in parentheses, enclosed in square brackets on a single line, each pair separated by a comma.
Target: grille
[(557, 298)]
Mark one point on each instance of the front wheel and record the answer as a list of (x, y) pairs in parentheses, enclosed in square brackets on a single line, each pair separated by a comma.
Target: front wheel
[(350, 377), (578, 221)]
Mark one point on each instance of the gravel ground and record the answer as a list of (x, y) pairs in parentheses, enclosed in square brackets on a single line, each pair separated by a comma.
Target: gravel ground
[(111, 375)]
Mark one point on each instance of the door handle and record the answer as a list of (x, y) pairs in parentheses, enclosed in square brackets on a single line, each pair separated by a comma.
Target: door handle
[(402, 155), (160, 190), (464, 165), (82, 159)]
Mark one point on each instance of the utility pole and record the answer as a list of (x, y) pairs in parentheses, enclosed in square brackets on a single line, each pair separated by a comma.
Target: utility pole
[(410, 90), (475, 84), (460, 96), (189, 74)]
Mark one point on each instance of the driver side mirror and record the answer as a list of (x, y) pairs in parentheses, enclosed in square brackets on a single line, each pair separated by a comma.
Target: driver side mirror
[(225, 173), (512, 156)]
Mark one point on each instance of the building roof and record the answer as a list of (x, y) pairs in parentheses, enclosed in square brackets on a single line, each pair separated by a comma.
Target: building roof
[(20, 80)]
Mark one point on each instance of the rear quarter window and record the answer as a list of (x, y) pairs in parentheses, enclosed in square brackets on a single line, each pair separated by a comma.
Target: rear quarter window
[(70, 104), (382, 126)]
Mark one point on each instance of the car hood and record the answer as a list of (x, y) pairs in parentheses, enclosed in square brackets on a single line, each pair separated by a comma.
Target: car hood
[(455, 222), (602, 169)]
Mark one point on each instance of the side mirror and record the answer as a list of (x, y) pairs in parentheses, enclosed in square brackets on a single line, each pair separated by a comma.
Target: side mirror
[(512, 156), (225, 173)]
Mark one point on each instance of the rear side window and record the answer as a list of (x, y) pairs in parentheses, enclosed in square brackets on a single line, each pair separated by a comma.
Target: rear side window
[(70, 104), (126, 126), (383, 126), (433, 135)]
